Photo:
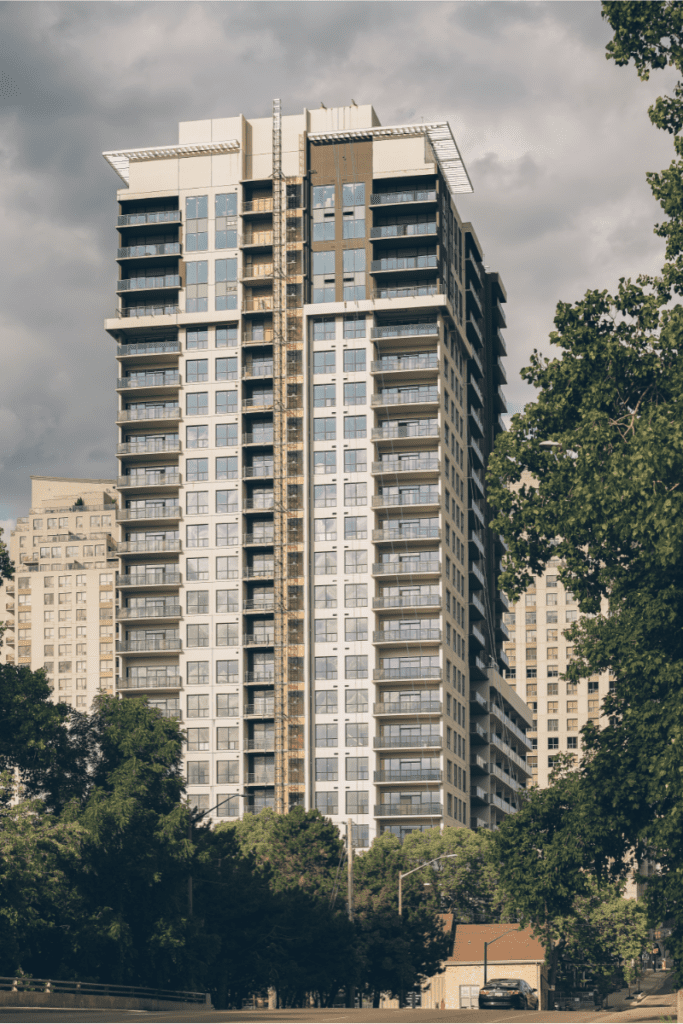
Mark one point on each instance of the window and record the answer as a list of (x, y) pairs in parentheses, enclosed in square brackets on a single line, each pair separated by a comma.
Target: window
[(355, 494), (325, 462), (572, 724), (197, 739), (553, 743), (198, 338), (228, 806), (226, 467), (227, 672), (551, 599), (197, 536), (355, 629), (226, 434), (197, 289), (354, 270), (356, 769), (227, 705), (196, 223), (325, 563), (226, 227), (227, 601), (198, 636), (226, 368), (226, 402), (325, 529), (325, 631), (354, 360), (323, 395), (197, 503), (572, 743), (198, 773), (326, 803), (323, 362), (593, 707), (196, 569), (226, 284), (551, 581), (553, 725), (326, 702), (551, 617), (226, 534), (198, 671), (324, 495), (356, 666), (196, 469), (356, 595), (323, 230), (325, 668), (227, 737), (357, 802), (356, 528), (353, 194), (571, 615), (196, 370), (356, 734), (324, 428), (198, 602), (228, 772), (354, 261), (226, 501), (323, 276), (326, 735), (226, 337), (326, 769), (325, 596), (356, 461), (226, 568), (197, 404), (355, 427), (227, 634), (198, 705), (354, 394), (324, 329), (355, 561), (323, 197), (356, 701), (551, 635)]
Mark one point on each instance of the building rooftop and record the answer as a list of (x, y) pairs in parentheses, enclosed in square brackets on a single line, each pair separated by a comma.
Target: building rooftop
[(468, 946)]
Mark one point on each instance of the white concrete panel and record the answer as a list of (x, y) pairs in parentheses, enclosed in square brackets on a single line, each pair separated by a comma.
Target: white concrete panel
[(226, 169), (399, 155), (225, 128), (194, 131), (154, 175), (338, 118), (194, 172)]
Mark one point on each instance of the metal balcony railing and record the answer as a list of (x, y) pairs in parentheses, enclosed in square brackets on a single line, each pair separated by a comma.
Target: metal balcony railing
[(407, 533), (257, 206), (147, 447), (257, 270), (259, 538), (426, 262), (419, 465), (403, 230), (261, 779), (158, 217), (162, 379), (405, 568), (150, 683), (259, 677), (149, 579), (407, 601), (407, 672), (412, 810), (409, 775), (257, 370), (258, 402), (267, 605), (418, 396), (149, 480), (390, 430), (141, 646), (149, 309), (152, 512), (262, 304), (417, 740), (257, 438), (165, 611), (146, 283), (258, 471), (252, 572), (404, 330), (149, 348), (264, 708), (261, 743), (264, 639), (422, 497), (392, 636), (419, 707), (389, 364), (159, 413), (149, 249), (405, 196)]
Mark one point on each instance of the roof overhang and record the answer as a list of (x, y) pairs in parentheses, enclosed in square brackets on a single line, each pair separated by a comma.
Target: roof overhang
[(121, 160), (439, 134)]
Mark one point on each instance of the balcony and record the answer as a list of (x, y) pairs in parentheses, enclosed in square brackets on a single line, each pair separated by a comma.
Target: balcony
[(405, 330), (251, 472), (476, 547), (149, 309), (153, 512), (149, 547), (149, 348), (257, 206), (477, 519), (476, 422), (149, 579), (148, 646), (511, 754), (253, 271), (477, 635), (261, 572), (478, 667), (509, 724), (158, 682), (408, 775), (263, 639), (165, 611), (477, 580), (423, 497), (418, 741), (477, 610), (158, 281), (407, 601), (148, 447), (387, 231), (478, 704), (142, 480), (258, 505), (251, 370), (258, 402), (475, 396), (412, 568), (153, 413), (263, 439), (407, 673), (130, 252), (391, 430), (477, 733), (161, 379), (392, 264), (410, 532), (421, 707), (478, 765), (417, 396), (261, 709), (257, 239), (410, 810), (416, 465), (395, 364), (261, 304), (260, 779), (128, 220), (260, 337), (478, 795), (260, 743), (404, 196), (395, 636), (259, 605), (476, 450), (505, 778), (260, 677)]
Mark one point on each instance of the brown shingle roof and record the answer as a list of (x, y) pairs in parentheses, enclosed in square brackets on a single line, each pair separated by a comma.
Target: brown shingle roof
[(519, 945)]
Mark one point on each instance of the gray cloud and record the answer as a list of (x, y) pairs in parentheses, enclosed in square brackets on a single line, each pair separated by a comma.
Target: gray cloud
[(556, 139)]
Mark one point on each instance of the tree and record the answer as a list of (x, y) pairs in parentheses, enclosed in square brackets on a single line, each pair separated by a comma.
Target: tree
[(6, 573), (591, 474)]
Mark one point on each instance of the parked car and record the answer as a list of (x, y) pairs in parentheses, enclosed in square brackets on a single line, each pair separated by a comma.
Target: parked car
[(512, 992)]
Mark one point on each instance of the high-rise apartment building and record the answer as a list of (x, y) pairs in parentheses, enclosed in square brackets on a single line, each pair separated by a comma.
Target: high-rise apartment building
[(538, 654), (310, 367), (60, 604)]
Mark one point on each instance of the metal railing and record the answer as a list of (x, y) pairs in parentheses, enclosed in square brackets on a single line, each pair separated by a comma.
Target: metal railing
[(257, 238), (392, 430), (407, 498), (407, 672), (159, 413), (407, 601), (389, 364), (258, 606), (404, 330), (163, 379), (407, 533), (149, 579), (417, 396), (92, 988), (258, 402), (146, 348), (257, 206), (264, 639), (257, 438), (169, 611), (259, 677), (152, 512), (419, 707), (258, 505), (392, 636), (264, 708), (257, 370), (261, 743), (262, 304), (418, 465), (156, 309), (417, 740), (263, 572), (144, 283), (151, 683), (427, 262), (133, 646), (257, 270), (405, 196), (402, 568), (403, 230), (147, 447), (258, 471), (259, 538), (149, 249), (137, 547), (261, 779), (149, 480), (409, 775), (412, 810), (158, 217)]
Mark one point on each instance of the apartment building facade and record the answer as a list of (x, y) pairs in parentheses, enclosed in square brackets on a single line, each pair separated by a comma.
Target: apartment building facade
[(538, 654), (60, 604), (309, 386)]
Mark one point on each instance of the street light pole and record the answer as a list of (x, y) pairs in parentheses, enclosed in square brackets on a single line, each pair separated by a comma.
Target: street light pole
[(404, 874), (486, 949)]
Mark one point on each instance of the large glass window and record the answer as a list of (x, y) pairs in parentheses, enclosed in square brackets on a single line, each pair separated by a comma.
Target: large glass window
[(325, 668), (325, 596), (326, 735), (325, 462), (324, 428), (326, 702), (324, 495), (325, 631), (197, 437), (326, 769), (226, 434), (323, 197), (197, 403), (324, 362), (196, 286), (196, 223), (226, 284), (196, 569), (324, 329), (355, 461), (356, 734), (354, 360), (226, 220), (354, 394), (226, 402), (196, 370), (323, 275), (196, 469), (356, 769), (226, 468), (324, 395)]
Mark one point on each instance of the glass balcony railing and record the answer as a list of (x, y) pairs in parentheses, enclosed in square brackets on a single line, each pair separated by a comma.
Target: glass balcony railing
[(149, 579), (391, 429), (427, 262), (149, 348), (403, 196), (257, 206), (409, 775), (421, 497), (149, 480), (149, 249), (423, 361), (155, 611), (138, 547), (143, 283), (160, 379), (407, 601), (155, 682), (150, 309), (148, 645), (126, 220), (403, 230), (149, 512), (412, 810), (416, 465), (415, 707), (406, 741), (416, 396), (160, 412), (147, 447), (405, 330), (394, 636), (411, 531)]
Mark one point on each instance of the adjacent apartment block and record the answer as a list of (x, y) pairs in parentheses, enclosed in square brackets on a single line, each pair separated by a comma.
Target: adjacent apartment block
[(60, 605), (538, 654), (309, 352)]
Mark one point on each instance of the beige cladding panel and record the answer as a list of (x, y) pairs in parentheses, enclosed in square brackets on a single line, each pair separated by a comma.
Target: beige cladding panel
[(154, 175), (223, 129), (192, 132), (226, 169), (194, 172), (261, 147), (400, 155), (342, 118)]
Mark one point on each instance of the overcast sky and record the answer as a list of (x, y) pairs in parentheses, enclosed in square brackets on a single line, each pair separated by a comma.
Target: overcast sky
[(556, 140)]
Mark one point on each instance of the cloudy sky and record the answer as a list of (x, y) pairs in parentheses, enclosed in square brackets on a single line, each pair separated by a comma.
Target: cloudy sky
[(556, 140)]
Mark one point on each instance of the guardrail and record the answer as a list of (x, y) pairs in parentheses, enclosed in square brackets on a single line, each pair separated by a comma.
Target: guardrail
[(92, 988)]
